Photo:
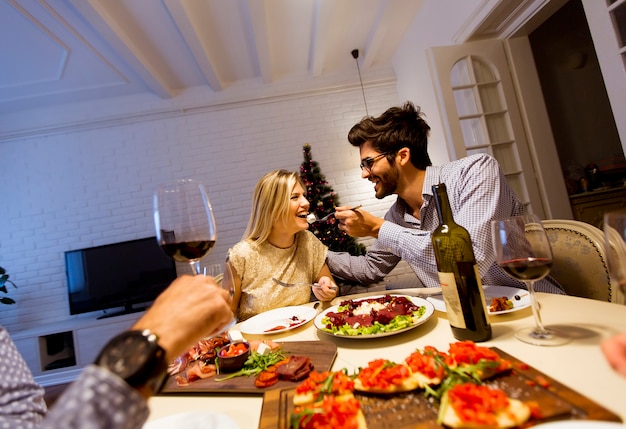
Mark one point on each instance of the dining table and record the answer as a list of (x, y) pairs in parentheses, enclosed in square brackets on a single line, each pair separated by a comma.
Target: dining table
[(579, 365)]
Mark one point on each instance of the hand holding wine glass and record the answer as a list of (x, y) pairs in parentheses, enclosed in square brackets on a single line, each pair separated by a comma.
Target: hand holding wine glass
[(184, 222), (523, 251)]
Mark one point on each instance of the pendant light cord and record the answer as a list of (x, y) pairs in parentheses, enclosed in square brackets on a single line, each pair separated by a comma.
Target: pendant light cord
[(355, 55)]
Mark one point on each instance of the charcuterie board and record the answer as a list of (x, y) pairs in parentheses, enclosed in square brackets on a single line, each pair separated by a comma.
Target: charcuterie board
[(322, 354), (413, 410)]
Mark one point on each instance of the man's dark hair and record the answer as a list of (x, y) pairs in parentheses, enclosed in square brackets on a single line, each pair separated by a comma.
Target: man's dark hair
[(396, 128)]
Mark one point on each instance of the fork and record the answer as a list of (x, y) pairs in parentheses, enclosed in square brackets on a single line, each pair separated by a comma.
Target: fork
[(298, 284), (312, 217)]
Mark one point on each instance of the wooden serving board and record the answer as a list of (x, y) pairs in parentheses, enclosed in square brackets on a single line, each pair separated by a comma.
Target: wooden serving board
[(413, 410), (322, 354)]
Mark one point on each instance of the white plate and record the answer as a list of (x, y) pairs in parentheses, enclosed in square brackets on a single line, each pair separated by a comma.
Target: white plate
[(493, 292), (430, 310), (263, 324), (193, 420), (579, 424)]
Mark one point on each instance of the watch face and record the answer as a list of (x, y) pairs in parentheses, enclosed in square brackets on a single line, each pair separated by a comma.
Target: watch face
[(136, 357), (126, 354)]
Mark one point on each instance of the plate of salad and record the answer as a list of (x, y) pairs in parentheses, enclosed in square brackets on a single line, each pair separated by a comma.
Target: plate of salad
[(374, 316)]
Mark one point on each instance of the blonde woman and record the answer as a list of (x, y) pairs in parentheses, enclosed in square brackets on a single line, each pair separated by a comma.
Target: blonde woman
[(277, 243)]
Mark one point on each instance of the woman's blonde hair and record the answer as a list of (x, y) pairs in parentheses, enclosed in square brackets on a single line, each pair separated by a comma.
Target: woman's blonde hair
[(270, 203)]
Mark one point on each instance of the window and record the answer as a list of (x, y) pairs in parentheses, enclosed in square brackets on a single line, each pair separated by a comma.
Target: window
[(617, 11), (484, 117)]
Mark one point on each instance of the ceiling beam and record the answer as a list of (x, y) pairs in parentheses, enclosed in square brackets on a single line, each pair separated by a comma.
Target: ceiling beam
[(187, 25), (323, 13), (254, 12), (398, 13), (127, 46)]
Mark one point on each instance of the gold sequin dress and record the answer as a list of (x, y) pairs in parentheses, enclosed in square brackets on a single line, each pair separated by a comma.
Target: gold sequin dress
[(257, 263)]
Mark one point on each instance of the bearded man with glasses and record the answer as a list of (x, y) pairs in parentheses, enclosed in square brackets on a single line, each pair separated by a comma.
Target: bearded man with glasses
[(394, 157)]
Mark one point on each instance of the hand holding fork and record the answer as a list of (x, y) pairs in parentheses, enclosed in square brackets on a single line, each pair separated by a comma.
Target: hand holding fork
[(299, 284), (312, 217)]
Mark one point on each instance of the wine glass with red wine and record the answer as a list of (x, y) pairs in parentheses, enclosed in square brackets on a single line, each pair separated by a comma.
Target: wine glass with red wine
[(615, 247), (184, 222), (523, 251)]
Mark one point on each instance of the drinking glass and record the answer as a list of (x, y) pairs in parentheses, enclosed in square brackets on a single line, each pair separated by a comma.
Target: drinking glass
[(615, 238), (184, 222), (223, 275), (523, 251)]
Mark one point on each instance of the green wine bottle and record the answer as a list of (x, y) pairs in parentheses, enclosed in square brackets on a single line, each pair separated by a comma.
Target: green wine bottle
[(458, 274)]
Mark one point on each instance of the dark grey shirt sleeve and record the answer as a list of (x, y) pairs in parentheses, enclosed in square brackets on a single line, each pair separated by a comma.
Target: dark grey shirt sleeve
[(98, 399), (21, 398)]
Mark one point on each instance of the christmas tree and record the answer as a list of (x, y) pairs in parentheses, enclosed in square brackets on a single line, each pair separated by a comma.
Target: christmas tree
[(323, 201)]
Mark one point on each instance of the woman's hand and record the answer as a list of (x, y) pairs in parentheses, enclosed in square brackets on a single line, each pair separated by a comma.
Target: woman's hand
[(327, 290)]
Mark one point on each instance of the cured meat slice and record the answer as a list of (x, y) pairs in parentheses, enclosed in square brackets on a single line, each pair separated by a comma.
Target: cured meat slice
[(266, 378), (198, 369), (298, 368)]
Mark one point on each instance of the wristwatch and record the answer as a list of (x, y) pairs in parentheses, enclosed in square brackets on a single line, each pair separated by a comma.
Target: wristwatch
[(136, 357)]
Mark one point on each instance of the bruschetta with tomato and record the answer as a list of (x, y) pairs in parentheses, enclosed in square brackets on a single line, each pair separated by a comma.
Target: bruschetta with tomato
[(385, 376), (331, 413), (320, 384), (483, 361), (325, 400), (473, 406)]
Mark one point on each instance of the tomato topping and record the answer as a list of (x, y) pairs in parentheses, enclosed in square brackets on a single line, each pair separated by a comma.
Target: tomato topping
[(468, 353), (543, 382), (234, 350), (477, 404), (535, 411), (330, 414), (318, 382), (425, 362), (383, 373)]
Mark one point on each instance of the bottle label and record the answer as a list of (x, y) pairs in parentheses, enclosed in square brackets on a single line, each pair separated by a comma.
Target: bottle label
[(452, 300)]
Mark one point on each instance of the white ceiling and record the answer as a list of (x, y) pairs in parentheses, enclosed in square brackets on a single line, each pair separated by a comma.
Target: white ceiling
[(80, 50)]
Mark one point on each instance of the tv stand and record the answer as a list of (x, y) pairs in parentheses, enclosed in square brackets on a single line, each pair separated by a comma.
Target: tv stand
[(57, 353), (129, 309)]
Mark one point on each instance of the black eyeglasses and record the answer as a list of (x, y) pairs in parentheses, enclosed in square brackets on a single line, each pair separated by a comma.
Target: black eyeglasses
[(368, 163)]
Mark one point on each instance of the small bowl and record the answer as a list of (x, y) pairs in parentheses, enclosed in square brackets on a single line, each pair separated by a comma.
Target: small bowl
[(232, 363)]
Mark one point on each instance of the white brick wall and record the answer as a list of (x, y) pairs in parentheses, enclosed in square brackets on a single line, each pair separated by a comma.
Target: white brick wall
[(91, 186)]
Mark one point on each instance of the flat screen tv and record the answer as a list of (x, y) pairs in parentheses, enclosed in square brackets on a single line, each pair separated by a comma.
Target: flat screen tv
[(130, 274)]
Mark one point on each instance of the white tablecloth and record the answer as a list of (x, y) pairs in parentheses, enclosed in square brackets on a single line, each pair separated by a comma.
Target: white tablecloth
[(579, 364)]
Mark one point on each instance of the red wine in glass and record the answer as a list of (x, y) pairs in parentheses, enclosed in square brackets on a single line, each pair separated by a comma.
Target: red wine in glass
[(523, 251), (184, 222), (188, 251), (525, 269), (615, 248)]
